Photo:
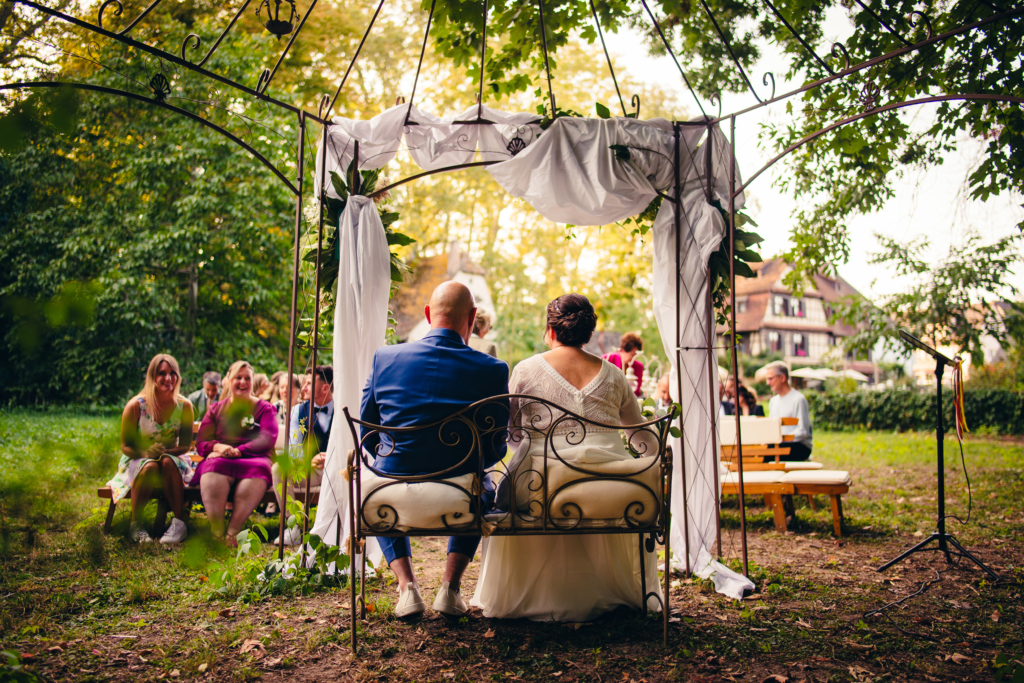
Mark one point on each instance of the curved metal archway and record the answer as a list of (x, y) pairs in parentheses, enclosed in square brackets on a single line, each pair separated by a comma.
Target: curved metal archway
[(264, 80)]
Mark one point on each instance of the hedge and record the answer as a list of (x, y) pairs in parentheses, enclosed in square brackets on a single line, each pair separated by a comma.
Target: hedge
[(993, 410)]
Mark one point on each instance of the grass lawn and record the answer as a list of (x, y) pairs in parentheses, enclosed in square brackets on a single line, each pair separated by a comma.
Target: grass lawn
[(78, 605)]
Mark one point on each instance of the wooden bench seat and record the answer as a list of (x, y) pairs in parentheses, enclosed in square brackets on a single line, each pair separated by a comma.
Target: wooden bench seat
[(775, 485), (191, 495)]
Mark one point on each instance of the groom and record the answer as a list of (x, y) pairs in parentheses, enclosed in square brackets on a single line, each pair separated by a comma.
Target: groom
[(423, 382)]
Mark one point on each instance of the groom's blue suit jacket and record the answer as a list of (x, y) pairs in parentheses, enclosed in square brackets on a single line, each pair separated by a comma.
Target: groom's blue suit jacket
[(425, 381)]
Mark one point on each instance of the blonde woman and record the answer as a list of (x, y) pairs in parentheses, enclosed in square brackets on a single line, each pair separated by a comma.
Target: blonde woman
[(236, 439), (261, 387), (482, 324), (156, 430)]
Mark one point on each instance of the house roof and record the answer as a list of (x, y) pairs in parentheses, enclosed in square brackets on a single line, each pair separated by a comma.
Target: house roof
[(756, 293)]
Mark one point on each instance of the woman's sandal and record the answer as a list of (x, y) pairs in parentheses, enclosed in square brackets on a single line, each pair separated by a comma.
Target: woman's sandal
[(231, 541)]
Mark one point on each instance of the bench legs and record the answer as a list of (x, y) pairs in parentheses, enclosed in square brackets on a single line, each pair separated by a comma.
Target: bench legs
[(837, 515), (778, 511), (109, 522)]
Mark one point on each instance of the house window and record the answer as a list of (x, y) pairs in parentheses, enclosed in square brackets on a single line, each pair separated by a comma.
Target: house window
[(828, 310), (799, 344), (831, 339), (741, 306), (774, 341), (780, 306), (798, 308)]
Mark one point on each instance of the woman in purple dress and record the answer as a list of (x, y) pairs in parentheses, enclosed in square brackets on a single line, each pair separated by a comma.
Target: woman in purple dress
[(236, 439)]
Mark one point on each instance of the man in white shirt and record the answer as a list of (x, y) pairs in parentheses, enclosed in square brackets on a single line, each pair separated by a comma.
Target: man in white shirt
[(788, 402), (301, 445)]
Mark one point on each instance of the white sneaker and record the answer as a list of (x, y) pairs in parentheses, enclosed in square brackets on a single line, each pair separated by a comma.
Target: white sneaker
[(139, 534), (449, 602), (293, 535), (410, 603), (175, 533)]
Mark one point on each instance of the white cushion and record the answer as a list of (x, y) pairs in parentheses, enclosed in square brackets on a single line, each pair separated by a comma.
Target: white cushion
[(755, 477), (391, 505), (802, 465), (820, 477), (599, 498), (753, 430)]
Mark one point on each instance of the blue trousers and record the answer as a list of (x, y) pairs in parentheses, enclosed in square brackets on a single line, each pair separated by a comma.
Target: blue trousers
[(396, 547)]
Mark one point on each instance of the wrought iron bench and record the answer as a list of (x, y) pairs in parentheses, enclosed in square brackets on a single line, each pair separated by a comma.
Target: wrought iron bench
[(548, 495)]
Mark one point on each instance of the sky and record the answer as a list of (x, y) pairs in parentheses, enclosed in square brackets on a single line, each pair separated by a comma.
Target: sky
[(931, 204)]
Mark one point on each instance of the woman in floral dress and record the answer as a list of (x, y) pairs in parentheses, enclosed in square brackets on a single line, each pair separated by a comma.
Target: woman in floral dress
[(156, 430), (236, 439)]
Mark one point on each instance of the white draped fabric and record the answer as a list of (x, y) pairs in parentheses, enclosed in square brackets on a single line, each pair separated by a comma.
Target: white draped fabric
[(569, 175), (360, 324)]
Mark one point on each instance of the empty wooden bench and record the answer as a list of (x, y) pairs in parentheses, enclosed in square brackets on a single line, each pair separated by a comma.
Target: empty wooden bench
[(775, 485)]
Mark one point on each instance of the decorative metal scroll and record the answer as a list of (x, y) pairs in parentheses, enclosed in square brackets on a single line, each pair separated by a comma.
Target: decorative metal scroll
[(546, 487)]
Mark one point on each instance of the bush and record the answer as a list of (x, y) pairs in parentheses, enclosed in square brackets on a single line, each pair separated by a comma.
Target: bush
[(997, 410)]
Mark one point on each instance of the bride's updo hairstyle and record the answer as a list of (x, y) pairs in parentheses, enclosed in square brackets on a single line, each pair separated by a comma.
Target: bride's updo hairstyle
[(572, 319)]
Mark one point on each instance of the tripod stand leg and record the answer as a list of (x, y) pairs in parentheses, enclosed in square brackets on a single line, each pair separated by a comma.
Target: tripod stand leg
[(917, 548), (966, 553)]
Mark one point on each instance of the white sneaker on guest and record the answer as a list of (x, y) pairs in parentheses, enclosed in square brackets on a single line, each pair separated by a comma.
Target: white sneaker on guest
[(449, 602), (293, 535), (410, 603), (139, 534), (175, 533)]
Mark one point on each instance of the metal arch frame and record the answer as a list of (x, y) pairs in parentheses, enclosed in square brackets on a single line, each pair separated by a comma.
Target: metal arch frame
[(327, 104)]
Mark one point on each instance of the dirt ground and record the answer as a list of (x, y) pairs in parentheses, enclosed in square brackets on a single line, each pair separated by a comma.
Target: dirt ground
[(800, 626)]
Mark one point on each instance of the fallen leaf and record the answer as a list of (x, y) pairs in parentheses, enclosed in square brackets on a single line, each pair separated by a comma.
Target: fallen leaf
[(959, 658), (776, 678), (254, 647), (995, 617), (280, 615), (202, 667), (753, 596), (271, 663), (29, 656), (57, 648), (373, 608), (489, 634), (175, 673), (557, 674), (226, 612), (801, 622), (858, 647), (448, 674), (918, 534), (97, 653), (308, 620)]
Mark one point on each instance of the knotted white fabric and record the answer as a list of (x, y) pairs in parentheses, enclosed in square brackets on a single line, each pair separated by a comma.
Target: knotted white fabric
[(360, 325), (569, 174)]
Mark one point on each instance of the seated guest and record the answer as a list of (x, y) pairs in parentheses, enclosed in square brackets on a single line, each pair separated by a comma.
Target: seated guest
[(304, 448), (726, 406), (788, 402), (481, 326), (261, 386), (421, 382), (201, 399), (236, 439), (748, 403), (663, 395), (279, 397), (156, 430), (629, 346)]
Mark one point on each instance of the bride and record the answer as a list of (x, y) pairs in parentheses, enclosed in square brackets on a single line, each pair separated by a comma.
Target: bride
[(565, 578)]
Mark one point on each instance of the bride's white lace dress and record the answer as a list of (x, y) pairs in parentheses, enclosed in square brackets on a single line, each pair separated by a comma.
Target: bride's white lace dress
[(566, 578)]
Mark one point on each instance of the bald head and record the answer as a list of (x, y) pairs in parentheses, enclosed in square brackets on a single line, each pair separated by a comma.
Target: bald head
[(452, 307)]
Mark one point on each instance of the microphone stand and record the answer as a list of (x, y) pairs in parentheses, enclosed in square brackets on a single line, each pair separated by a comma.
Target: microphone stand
[(945, 541)]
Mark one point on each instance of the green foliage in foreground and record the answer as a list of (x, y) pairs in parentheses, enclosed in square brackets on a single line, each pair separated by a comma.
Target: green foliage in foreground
[(997, 411)]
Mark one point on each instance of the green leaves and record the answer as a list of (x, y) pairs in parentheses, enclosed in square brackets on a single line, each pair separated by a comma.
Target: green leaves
[(602, 111)]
